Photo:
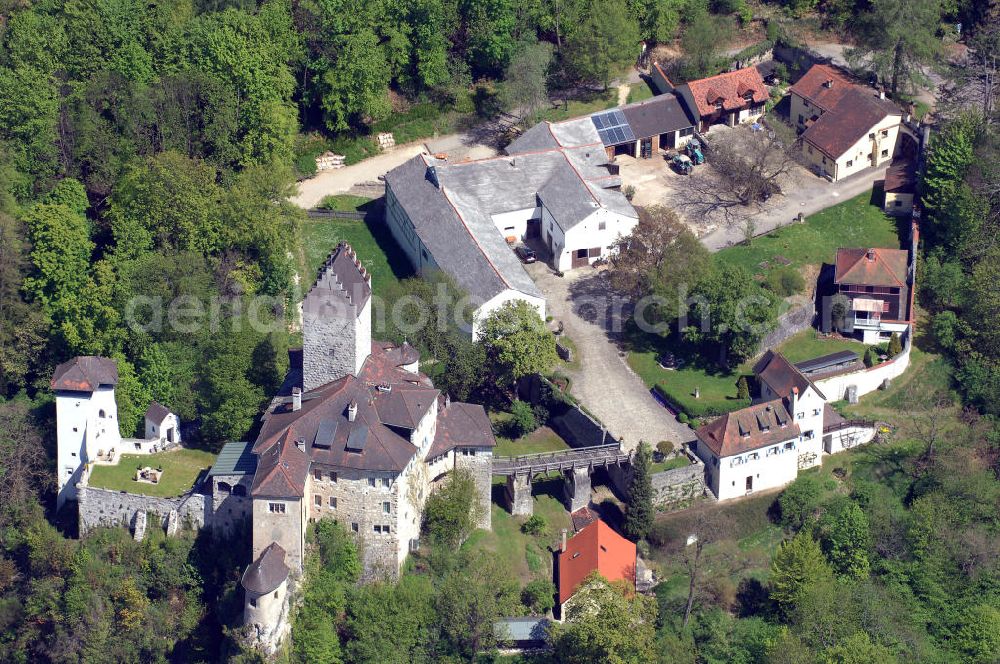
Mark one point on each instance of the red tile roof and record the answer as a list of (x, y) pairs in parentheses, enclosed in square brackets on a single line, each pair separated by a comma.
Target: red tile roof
[(596, 547), (823, 86), (281, 470), (901, 178), (730, 88), (872, 267), (749, 429), (85, 374)]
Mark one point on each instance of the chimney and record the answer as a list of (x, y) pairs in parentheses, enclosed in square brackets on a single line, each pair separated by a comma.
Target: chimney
[(352, 411), (881, 93), (828, 83), (447, 400), (870, 254), (296, 399), (563, 546), (301, 444)]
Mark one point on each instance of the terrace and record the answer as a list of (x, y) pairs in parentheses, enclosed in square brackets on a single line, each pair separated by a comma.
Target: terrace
[(181, 469)]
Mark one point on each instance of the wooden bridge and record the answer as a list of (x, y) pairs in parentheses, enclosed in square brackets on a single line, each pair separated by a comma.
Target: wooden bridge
[(575, 466), (544, 462)]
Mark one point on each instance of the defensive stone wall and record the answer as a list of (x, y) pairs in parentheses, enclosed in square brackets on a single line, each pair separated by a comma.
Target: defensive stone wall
[(678, 485), (105, 507)]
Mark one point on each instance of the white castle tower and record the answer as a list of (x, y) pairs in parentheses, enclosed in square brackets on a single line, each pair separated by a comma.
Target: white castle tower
[(336, 320), (86, 417)]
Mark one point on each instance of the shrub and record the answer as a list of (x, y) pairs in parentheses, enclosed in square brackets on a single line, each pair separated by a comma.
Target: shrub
[(539, 596), (871, 359), (535, 525), (799, 502), (742, 388), (524, 420), (683, 418), (451, 513), (665, 447), (895, 346), (629, 191), (784, 282)]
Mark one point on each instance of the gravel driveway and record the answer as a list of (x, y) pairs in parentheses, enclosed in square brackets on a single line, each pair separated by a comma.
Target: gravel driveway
[(603, 381)]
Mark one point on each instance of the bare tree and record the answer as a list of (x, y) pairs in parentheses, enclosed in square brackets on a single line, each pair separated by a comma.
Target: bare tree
[(709, 526), (746, 169), (974, 80), (23, 469)]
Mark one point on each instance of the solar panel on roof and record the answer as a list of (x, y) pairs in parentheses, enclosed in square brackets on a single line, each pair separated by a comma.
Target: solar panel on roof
[(612, 127), (324, 434), (832, 360), (598, 122), (357, 438)]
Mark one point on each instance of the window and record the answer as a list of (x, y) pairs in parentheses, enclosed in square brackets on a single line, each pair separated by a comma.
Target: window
[(824, 161), (815, 411), (871, 136), (275, 594), (899, 204), (333, 502), (317, 474), (354, 526), (808, 435), (885, 133), (386, 483), (253, 602), (100, 413), (601, 225), (789, 446), (318, 501), (802, 120), (377, 529), (371, 481), (333, 477), (885, 153), (276, 508), (387, 507), (850, 162), (800, 415)]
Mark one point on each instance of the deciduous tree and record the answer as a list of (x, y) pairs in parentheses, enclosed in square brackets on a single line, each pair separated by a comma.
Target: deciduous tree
[(797, 564), (517, 343)]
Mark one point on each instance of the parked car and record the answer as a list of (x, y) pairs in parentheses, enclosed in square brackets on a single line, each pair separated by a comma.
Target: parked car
[(526, 254)]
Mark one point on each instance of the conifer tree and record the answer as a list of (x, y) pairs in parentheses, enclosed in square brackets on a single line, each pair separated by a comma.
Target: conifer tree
[(639, 509)]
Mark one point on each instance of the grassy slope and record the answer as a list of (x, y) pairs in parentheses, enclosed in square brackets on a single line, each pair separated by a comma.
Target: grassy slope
[(376, 248), (542, 439), (528, 555), (853, 223), (180, 470), (344, 202)]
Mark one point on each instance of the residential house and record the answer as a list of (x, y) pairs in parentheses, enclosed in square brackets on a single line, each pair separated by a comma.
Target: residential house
[(764, 446), (875, 285), (731, 98), (596, 547), (900, 186), (460, 218), (846, 127)]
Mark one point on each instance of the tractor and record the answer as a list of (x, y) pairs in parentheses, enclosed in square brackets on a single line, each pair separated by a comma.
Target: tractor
[(682, 164), (693, 149)]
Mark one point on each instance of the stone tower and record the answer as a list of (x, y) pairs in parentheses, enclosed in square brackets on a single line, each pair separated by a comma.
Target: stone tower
[(86, 418), (336, 320)]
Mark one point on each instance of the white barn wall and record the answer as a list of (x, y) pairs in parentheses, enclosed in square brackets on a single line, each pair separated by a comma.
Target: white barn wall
[(497, 301), (866, 380), (515, 222)]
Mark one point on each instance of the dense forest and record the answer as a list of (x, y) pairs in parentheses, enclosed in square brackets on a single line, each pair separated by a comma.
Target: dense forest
[(147, 152)]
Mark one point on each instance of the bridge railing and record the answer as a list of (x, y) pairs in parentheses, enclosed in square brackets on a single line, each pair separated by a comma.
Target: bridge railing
[(547, 461)]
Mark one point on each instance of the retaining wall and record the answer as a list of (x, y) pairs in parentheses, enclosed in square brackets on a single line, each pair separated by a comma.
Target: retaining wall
[(866, 380), (790, 323), (670, 487)]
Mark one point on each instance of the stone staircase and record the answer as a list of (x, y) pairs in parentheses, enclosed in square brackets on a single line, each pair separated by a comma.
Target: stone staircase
[(139, 533)]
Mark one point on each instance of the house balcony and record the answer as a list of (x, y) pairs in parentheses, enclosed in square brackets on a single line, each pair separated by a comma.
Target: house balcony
[(866, 323)]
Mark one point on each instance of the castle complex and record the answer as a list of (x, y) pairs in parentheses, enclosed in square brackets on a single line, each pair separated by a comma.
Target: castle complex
[(356, 434)]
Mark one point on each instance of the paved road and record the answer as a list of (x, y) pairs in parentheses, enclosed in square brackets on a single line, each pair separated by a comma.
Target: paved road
[(603, 381), (808, 198)]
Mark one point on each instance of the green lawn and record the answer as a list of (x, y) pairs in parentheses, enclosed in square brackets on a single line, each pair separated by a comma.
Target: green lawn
[(717, 387), (529, 556), (542, 439), (372, 241), (853, 223), (639, 92), (670, 464), (181, 468), (597, 101)]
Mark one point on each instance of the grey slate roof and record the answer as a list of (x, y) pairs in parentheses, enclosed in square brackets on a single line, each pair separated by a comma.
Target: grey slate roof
[(455, 221), (156, 412), (342, 283), (537, 138), (235, 459), (269, 571), (85, 374), (552, 135), (659, 115)]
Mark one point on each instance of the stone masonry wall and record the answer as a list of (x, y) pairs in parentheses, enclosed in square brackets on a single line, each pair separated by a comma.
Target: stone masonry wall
[(328, 343), (678, 485), (104, 507), (789, 324), (481, 466)]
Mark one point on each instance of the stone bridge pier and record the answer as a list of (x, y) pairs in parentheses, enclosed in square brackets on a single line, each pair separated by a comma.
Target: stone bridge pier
[(576, 488), (519, 494)]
